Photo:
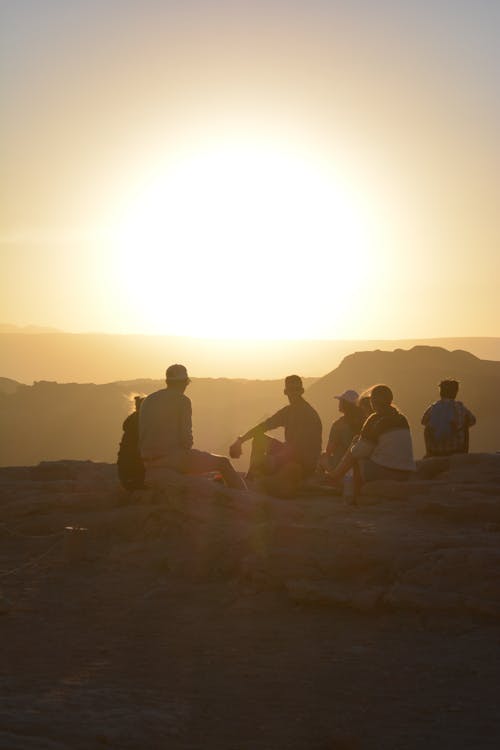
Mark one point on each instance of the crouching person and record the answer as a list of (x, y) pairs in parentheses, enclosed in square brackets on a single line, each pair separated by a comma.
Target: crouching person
[(384, 448), (166, 436)]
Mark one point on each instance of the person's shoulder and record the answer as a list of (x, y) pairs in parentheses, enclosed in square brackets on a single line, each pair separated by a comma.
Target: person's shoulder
[(283, 411), (313, 414), (434, 404), (127, 423), (154, 396), (403, 419), (306, 404), (338, 423)]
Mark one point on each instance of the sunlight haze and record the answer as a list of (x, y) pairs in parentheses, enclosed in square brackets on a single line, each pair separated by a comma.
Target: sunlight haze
[(276, 171)]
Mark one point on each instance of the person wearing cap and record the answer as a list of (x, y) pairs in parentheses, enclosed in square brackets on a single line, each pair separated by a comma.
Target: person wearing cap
[(447, 423), (384, 448), (343, 430), (166, 435), (295, 459)]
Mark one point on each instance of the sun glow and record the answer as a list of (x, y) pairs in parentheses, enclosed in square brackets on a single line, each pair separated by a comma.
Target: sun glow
[(243, 241)]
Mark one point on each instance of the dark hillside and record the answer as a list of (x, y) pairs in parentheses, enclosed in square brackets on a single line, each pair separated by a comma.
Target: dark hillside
[(413, 376)]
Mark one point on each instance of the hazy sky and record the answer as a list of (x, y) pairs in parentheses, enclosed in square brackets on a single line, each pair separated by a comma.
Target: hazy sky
[(281, 169)]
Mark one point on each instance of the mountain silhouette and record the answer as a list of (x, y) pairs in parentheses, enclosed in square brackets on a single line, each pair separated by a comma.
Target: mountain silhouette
[(103, 358), (51, 421), (413, 376)]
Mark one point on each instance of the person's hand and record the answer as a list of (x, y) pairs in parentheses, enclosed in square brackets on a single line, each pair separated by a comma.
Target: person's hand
[(235, 450), (333, 476)]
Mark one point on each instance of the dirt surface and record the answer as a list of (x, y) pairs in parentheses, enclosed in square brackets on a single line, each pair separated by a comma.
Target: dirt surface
[(167, 636)]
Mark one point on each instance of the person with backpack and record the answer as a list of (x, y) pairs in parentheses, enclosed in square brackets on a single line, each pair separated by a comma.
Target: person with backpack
[(447, 422)]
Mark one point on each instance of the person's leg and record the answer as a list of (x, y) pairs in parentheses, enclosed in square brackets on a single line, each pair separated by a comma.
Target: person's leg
[(201, 462), (263, 455)]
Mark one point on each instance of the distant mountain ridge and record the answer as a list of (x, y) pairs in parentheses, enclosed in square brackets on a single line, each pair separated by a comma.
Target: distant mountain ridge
[(105, 358), (9, 328), (414, 376), (51, 421)]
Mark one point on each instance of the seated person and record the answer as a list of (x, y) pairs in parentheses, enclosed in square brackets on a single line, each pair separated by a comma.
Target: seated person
[(282, 466), (129, 463), (365, 405), (343, 430), (447, 423), (384, 448), (166, 435)]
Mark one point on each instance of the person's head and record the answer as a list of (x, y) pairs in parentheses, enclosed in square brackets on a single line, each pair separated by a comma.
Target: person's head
[(176, 377), (365, 404), (347, 400), (293, 387), (381, 397), (448, 388)]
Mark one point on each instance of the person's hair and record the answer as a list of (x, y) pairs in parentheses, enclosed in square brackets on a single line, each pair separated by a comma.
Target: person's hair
[(294, 383), (364, 403), (382, 392), (176, 374), (448, 388)]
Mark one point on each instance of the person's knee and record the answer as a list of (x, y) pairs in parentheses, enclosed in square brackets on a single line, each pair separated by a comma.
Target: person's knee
[(260, 440)]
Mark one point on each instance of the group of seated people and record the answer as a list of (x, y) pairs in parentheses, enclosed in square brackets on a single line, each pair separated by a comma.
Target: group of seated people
[(370, 441)]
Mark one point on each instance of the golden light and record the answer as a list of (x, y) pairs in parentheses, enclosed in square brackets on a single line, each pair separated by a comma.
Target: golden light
[(244, 240)]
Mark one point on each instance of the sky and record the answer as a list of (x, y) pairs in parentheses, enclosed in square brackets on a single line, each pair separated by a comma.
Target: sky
[(319, 170)]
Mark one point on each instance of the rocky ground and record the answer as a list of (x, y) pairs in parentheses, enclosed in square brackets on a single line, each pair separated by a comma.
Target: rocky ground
[(202, 618)]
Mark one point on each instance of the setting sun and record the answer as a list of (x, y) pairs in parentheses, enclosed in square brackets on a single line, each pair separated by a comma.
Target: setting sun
[(242, 239)]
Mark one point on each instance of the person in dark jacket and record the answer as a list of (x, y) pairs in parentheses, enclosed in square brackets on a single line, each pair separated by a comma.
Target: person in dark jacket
[(130, 466), (343, 430)]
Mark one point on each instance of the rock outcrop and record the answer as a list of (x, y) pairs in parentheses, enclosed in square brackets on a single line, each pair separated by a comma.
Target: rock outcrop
[(429, 544)]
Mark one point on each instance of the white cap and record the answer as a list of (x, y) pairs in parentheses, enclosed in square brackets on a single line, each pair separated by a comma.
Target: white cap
[(351, 396)]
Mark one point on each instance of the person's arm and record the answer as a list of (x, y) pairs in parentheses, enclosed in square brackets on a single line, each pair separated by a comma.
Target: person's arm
[(277, 420), (362, 446), (346, 463), (330, 447), (427, 416), (470, 419), (186, 425), (359, 448)]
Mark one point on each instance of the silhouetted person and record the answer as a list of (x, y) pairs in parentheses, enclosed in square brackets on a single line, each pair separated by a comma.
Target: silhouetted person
[(166, 435), (384, 448), (130, 466), (343, 430), (282, 466), (365, 405), (447, 423)]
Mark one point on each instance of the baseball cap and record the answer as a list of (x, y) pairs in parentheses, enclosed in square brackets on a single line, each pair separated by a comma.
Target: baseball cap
[(177, 372), (349, 395)]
